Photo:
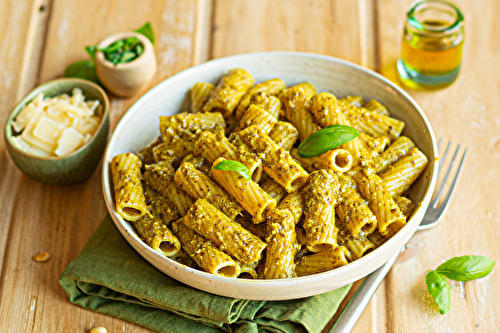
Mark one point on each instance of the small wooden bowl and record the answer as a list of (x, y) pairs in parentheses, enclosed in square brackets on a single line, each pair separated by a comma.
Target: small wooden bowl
[(128, 79), (76, 166)]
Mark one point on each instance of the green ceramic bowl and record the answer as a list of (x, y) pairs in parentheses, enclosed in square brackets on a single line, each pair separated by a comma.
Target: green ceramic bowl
[(72, 168)]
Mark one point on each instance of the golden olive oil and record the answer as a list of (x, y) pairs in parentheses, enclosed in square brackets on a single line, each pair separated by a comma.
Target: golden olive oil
[(431, 51)]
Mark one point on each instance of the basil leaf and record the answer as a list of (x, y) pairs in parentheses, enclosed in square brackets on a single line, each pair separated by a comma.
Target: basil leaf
[(228, 165), (326, 139), (139, 49), (114, 47), (466, 268), (91, 50), (84, 69), (147, 30), (127, 57), (440, 290)]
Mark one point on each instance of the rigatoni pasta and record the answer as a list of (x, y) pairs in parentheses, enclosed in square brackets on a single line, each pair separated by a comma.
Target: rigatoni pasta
[(129, 195), (276, 214)]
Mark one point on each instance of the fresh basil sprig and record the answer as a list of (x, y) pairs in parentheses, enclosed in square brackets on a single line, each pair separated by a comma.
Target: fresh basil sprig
[(147, 31), (439, 288), (229, 165), (84, 69), (464, 268), (326, 139)]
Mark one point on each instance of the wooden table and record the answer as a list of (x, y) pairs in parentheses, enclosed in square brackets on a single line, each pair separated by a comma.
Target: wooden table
[(41, 37)]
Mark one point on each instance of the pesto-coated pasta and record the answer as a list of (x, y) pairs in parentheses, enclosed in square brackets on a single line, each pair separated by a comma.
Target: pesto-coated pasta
[(320, 198), (406, 205), (294, 203), (296, 102), (400, 147), (198, 185), (372, 123), (278, 163), (129, 195), (160, 177), (157, 235), (212, 146), (257, 116), (272, 87), (246, 192), (353, 211), (274, 189), (326, 110), (399, 176), (376, 107), (323, 261), (270, 103), (187, 126), (284, 134), (389, 217), (160, 206), (224, 233), (230, 90), (282, 246), (338, 159), (295, 216), (204, 252), (200, 93)]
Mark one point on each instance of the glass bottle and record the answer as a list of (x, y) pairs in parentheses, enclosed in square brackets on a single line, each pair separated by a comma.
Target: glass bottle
[(431, 51)]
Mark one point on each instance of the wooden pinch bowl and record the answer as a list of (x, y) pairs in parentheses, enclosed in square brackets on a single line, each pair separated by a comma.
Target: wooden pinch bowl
[(127, 79)]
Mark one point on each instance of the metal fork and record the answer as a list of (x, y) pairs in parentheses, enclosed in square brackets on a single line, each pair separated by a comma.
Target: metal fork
[(436, 210)]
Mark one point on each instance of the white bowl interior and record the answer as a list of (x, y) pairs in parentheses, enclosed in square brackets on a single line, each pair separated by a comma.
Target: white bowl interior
[(140, 126)]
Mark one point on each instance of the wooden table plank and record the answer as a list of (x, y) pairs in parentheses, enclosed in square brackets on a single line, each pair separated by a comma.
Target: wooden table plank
[(22, 33), (60, 220), (465, 112), (323, 27)]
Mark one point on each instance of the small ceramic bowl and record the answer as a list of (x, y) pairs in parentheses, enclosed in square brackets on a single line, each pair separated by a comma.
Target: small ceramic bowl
[(76, 166), (128, 79)]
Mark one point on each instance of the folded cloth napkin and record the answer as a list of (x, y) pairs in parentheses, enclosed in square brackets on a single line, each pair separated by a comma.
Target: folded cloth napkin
[(109, 277)]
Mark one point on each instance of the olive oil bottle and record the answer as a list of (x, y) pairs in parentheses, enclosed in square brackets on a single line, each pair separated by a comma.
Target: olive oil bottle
[(431, 51)]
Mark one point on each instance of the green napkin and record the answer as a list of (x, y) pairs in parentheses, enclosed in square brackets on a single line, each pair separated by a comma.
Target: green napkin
[(109, 277)]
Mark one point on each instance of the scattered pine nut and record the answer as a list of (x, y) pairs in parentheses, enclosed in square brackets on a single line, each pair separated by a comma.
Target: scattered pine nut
[(98, 330), (42, 256)]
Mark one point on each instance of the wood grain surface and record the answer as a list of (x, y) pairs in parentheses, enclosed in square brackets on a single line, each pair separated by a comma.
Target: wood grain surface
[(41, 37)]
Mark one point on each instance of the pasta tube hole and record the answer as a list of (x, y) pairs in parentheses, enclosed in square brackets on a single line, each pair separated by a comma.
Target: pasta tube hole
[(368, 228), (131, 212), (168, 248), (343, 160), (320, 247), (228, 271)]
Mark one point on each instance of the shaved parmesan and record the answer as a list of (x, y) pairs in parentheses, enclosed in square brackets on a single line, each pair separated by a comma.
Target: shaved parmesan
[(56, 126)]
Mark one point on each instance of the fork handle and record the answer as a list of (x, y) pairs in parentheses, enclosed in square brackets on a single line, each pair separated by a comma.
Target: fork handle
[(358, 302)]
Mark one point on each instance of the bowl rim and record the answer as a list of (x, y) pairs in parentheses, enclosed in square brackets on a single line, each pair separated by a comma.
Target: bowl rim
[(18, 107), (126, 229)]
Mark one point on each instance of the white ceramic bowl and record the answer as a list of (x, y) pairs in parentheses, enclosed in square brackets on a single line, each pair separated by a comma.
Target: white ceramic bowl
[(140, 126)]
